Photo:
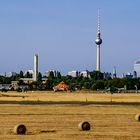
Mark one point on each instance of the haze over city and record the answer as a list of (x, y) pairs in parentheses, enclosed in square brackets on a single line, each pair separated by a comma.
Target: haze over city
[(63, 34)]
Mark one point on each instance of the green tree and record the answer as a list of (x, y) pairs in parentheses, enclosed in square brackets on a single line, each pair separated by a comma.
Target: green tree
[(87, 85), (58, 75), (39, 77), (39, 84), (49, 85), (96, 75), (99, 84), (21, 74), (115, 82), (20, 82), (28, 75), (51, 75)]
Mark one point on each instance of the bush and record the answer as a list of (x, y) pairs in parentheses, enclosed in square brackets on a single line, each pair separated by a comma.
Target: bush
[(4, 90), (113, 89), (19, 90)]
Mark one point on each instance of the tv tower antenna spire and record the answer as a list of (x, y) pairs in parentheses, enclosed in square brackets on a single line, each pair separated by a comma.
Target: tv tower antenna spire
[(98, 20), (98, 42)]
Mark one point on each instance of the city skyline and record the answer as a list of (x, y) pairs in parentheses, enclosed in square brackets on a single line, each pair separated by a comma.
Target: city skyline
[(63, 34)]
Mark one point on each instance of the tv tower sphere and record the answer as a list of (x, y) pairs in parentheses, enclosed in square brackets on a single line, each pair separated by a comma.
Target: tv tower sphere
[(98, 42)]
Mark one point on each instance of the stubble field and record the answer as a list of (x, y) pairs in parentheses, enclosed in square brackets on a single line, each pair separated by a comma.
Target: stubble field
[(60, 121)]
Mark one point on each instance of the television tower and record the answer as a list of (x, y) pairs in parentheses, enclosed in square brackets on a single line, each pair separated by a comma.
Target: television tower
[(98, 42)]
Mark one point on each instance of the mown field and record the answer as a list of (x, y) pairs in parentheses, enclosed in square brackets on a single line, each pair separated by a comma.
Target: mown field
[(60, 121), (69, 96)]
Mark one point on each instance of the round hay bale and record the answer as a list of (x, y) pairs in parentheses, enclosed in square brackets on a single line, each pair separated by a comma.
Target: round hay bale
[(84, 126), (20, 129), (137, 117)]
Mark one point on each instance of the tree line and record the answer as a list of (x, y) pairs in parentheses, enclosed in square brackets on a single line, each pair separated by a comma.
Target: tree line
[(95, 81)]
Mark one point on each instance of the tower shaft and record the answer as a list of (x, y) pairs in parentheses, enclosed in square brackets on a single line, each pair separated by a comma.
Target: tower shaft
[(35, 67), (98, 58)]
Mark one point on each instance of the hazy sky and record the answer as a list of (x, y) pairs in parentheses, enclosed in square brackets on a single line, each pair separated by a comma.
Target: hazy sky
[(63, 34)]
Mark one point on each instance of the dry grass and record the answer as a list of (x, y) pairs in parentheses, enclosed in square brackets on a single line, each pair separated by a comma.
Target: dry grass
[(60, 122), (68, 96)]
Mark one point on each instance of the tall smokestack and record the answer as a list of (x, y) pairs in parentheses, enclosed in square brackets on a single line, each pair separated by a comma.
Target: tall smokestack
[(35, 67)]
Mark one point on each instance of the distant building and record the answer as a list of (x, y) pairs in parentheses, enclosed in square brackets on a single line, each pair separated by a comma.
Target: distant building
[(114, 75), (85, 73), (9, 74), (3, 74), (15, 85), (73, 73), (30, 72), (62, 86), (107, 75), (47, 73), (127, 75), (137, 68), (5, 86), (134, 74), (27, 80)]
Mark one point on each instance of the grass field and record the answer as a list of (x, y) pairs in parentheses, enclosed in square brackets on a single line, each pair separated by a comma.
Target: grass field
[(60, 121), (69, 96)]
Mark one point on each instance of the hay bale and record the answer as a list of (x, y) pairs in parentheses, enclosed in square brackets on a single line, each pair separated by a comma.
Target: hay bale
[(84, 126), (20, 129), (137, 117)]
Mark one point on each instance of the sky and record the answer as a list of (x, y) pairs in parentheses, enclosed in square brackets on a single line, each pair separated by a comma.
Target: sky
[(63, 33)]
